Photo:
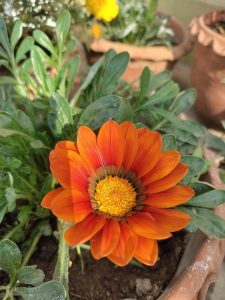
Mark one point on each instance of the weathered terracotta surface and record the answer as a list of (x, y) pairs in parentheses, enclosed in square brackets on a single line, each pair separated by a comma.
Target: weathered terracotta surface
[(158, 58), (202, 259), (208, 69)]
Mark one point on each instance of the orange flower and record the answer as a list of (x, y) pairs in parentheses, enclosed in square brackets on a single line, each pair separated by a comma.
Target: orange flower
[(119, 189)]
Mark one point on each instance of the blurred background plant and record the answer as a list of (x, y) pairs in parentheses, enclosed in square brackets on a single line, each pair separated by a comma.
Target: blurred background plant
[(138, 23)]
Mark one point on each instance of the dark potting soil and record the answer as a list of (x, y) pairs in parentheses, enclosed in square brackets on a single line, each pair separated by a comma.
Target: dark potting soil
[(102, 280)]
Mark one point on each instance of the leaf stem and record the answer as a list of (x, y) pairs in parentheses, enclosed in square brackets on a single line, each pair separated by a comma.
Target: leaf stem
[(31, 249), (61, 272)]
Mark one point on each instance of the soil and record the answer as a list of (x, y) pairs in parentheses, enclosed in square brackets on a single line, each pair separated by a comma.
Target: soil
[(102, 280)]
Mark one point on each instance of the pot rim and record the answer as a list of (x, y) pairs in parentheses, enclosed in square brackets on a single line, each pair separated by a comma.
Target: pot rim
[(202, 258), (207, 36), (154, 53)]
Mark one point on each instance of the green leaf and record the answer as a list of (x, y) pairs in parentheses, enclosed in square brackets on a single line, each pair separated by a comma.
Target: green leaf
[(61, 114), (8, 132), (196, 167), (42, 39), (91, 74), (10, 195), (3, 210), (184, 101), (25, 46), (3, 54), (16, 33), (125, 112), (201, 187), (167, 92), (4, 40), (159, 80), (73, 66), (38, 67), (10, 257), (63, 26), (206, 220), (31, 275), (25, 122), (7, 80), (49, 290), (113, 70), (144, 83), (37, 144), (210, 199), (104, 108), (169, 142), (216, 143)]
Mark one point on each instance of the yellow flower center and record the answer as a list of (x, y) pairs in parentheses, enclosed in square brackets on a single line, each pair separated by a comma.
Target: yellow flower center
[(115, 196)]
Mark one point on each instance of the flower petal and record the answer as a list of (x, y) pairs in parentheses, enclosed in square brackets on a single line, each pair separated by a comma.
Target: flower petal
[(68, 145), (144, 225), (146, 251), (150, 145), (105, 241), (126, 246), (166, 164), (131, 143), (85, 230), (69, 169), (142, 131), (87, 146), (174, 196), (49, 197), (111, 143), (71, 206), (169, 219), (169, 181)]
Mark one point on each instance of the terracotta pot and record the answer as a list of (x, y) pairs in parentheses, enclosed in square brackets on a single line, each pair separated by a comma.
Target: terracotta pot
[(157, 58), (208, 69), (202, 258)]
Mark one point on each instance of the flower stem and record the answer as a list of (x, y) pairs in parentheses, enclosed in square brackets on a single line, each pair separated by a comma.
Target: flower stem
[(31, 249), (61, 272)]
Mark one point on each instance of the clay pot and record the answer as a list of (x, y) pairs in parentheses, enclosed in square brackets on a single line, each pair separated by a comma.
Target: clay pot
[(208, 69), (202, 258), (157, 58)]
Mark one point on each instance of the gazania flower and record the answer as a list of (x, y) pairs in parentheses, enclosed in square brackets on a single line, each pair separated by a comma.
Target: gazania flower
[(105, 10), (119, 189)]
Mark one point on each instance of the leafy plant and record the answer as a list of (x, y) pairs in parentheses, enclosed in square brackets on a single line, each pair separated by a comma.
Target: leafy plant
[(25, 281), (39, 108)]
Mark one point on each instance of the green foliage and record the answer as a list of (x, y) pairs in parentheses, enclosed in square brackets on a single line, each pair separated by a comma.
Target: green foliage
[(23, 277)]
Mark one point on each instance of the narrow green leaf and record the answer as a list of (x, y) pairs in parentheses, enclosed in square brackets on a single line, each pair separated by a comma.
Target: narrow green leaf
[(144, 83), (63, 26), (113, 70), (210, 199), (42, 39), (184, 101), (39, 69), (4, 39), (16, 33), (104, 108), (25, 122), (169, 142), (159, 80), (10, 196), (10, 257), (24, 47)]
